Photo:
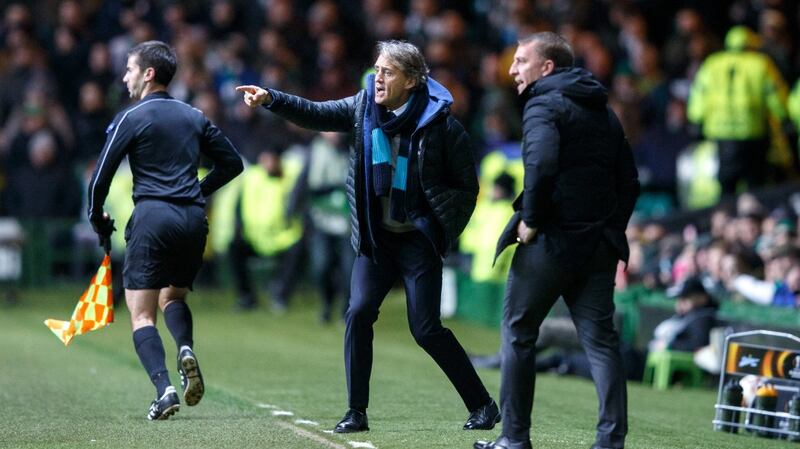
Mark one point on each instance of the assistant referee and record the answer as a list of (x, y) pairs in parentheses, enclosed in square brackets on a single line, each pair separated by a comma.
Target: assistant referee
[(163, 139)]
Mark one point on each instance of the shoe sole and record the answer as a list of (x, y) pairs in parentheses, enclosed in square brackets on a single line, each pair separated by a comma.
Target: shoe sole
[(167, 413), (194, 382), (346, 430), (496, 421)]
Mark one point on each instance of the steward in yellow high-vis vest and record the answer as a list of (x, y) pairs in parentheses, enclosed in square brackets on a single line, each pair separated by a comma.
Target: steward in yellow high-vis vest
[(733, 96), (266, 228)]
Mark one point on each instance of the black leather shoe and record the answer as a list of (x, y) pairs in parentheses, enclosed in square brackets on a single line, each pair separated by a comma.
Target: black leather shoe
[(502, 443), (353, 421), (484, 418)]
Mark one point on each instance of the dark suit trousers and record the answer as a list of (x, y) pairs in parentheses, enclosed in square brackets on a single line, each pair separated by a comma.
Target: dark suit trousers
[(411, 257), (535, 282)]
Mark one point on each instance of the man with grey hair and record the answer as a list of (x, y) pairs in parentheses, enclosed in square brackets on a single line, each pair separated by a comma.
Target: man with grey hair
[(412, 188), (569, 224)]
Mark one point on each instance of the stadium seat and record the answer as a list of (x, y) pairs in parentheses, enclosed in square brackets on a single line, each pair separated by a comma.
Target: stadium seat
[(662, 365)]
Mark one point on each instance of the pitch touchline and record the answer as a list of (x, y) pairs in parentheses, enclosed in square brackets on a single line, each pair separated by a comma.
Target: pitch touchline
[(310, 435)]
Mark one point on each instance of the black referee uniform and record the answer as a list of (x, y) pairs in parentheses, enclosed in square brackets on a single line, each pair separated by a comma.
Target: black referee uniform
[(163, 139)]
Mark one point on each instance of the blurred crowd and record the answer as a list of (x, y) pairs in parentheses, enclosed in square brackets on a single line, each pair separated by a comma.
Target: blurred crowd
[(749, 252), (62, 62)]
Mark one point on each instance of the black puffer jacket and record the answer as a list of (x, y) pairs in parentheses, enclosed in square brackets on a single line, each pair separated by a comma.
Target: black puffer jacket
[(581, 183), (444, 161)]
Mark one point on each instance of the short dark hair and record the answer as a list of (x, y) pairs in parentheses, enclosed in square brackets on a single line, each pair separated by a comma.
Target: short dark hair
[(553, 47), (158, 55)]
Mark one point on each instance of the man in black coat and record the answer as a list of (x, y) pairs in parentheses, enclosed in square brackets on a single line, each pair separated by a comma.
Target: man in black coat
[(580, 188), (412, 188)]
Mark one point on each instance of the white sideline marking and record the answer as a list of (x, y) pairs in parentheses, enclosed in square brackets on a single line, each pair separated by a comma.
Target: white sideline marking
[(282, 413), (327, 431), (310, 435), (366, 445), (269, 406), (306, 421)]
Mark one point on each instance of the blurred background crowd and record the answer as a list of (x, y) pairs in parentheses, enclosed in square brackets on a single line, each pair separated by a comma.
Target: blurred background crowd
[(708, 94)]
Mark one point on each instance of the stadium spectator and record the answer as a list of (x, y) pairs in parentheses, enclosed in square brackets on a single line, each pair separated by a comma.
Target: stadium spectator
[(779, 288), (37, 113), (695, 315), (733, 95), (407, 210), (321, 193), (582, 210), (162, 138), (656, 155), (90, 121), (43, 187), (267, 230)]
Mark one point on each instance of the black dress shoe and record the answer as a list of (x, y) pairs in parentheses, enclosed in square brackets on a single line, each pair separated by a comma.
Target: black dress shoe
[(502, 443), (484, 418), (353, 421)]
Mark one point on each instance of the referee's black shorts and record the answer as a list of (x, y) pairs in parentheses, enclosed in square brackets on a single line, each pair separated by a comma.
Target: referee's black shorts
[(165, 244)]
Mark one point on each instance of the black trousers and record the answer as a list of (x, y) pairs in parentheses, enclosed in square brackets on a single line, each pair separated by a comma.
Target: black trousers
[(281, 284), (535, 282), (331, 261), (742, 160), (409, 256)]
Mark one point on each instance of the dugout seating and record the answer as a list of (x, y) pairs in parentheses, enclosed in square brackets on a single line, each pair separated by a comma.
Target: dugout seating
[(662, 367), (639, 311)]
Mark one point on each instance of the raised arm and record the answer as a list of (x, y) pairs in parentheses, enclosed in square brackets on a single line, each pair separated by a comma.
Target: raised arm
[(333, 115)]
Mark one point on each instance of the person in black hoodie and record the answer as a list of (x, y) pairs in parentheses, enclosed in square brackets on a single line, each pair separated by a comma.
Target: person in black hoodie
[(580, 187)]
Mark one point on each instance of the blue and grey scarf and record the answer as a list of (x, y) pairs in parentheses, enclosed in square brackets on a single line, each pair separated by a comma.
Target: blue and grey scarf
[(389, 125)]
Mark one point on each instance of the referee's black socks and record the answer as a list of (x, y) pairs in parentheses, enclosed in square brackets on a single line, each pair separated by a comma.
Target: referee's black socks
[(178, 318), (151, 352)]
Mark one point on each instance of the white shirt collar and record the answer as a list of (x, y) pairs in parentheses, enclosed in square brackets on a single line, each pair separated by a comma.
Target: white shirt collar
[(402, 108)]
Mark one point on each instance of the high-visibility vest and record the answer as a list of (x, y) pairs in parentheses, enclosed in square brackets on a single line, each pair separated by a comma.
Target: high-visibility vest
[(119, 204), (698, 186), (263, 203), (733, 94), (480, 238), (494, 164), (794, 105)]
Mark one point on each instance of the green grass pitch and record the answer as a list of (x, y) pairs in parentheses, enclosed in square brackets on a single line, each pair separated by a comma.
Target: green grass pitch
[(257, 365)]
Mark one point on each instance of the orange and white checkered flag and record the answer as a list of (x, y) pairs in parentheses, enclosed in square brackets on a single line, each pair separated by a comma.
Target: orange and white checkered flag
[(95, 309)]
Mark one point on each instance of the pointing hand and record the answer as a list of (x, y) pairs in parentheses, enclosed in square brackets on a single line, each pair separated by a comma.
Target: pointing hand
[(254, 96)]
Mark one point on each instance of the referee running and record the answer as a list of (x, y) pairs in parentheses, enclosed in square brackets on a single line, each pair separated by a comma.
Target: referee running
[(163, 139)]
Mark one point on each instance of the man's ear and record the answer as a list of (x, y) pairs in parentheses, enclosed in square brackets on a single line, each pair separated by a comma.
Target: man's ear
[(549, 66), (149, 74)]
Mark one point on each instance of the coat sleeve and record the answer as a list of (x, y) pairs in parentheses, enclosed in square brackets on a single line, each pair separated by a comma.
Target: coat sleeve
[(227, 162), (333, 115), (540, 152), (119, 135)]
